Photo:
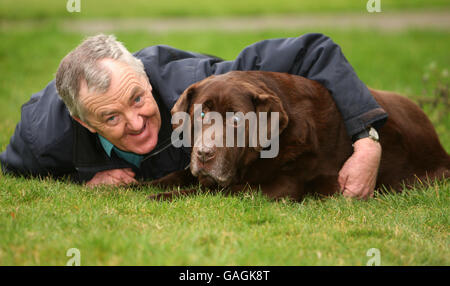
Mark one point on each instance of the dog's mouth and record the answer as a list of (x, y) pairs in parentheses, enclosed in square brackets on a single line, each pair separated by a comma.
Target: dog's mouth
[(210, 179), (219, 170)]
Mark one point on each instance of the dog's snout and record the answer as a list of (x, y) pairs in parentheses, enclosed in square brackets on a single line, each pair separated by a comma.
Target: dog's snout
[(205, 154)]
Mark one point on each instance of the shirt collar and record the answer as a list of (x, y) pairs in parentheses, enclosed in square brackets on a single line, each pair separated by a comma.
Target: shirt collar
[(107, 146), (130, 157)]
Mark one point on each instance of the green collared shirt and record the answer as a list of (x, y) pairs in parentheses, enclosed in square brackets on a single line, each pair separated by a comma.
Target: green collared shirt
[(132, 158)]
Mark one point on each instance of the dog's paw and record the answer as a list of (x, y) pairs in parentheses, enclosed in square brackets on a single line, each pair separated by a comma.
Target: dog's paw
[(168, 196)]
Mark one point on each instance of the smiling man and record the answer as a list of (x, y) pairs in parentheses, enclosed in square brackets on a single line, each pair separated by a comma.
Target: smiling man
[(126, 113), (112, 125)]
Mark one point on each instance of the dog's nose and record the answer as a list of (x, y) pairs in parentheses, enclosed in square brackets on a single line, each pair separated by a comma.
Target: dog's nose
[(205, 154)]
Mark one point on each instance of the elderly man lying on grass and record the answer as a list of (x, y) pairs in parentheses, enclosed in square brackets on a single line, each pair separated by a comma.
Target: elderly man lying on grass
[(106, 118)]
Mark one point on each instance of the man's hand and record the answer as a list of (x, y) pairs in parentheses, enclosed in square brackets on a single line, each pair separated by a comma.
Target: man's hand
[(358, 176), (115, 177)]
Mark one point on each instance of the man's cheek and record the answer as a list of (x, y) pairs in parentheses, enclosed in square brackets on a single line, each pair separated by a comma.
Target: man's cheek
[(113, 134)]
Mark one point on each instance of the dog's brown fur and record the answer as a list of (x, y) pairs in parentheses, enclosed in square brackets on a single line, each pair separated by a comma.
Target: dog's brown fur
[(313, 141)]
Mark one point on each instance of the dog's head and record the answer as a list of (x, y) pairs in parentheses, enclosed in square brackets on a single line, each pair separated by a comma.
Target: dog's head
[(226, 115)]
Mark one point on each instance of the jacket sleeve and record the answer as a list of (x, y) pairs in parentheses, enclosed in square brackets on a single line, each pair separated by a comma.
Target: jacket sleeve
[(42, 141), (318, 58)]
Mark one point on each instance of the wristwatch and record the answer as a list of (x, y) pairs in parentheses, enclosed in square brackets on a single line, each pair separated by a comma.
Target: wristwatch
[(368, 132)]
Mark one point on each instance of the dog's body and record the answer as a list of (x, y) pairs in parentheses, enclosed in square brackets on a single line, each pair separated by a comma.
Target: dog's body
[(313, 143)]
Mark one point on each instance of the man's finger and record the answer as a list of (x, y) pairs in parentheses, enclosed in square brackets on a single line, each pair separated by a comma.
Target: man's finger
[(130, 180), (369, 193), (342, 180), (130, 172), (126, 178), (95, 182), (349, 194)]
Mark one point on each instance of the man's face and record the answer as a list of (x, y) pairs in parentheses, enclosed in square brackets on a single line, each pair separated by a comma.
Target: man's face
[(127, 114)]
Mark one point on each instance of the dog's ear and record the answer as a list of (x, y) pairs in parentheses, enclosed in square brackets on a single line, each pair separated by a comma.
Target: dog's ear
[(269, 103), (184, 102)]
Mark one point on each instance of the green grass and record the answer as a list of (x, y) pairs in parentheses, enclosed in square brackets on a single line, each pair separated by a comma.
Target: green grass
[(41, 219), (56, 9)]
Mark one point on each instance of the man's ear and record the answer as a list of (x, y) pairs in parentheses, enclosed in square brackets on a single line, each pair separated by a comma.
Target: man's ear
[(268, 102), (84, 124), (184, 102)]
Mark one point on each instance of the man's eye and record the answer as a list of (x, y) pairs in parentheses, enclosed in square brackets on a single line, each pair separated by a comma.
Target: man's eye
[(111, 118), (138, 99)]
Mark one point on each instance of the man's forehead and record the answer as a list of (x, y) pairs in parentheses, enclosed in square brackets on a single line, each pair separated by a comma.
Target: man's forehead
[(122, 79)]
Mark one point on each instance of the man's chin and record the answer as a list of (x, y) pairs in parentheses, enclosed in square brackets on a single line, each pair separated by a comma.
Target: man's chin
[(145, 148)]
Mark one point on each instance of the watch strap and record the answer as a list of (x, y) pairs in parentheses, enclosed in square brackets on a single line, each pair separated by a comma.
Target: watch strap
[(369, 132)]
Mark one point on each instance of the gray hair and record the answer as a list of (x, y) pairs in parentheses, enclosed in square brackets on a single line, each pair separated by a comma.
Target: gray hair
[(82, 64)]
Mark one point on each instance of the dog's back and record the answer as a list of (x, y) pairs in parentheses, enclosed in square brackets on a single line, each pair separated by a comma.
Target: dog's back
[(411, 149), (317, 138), (410, 144)]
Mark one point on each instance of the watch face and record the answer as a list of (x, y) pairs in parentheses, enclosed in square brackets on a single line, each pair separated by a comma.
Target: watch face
[(373, 134)]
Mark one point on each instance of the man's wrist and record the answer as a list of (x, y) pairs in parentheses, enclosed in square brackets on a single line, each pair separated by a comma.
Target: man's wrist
[(366, 145), (369, 132)]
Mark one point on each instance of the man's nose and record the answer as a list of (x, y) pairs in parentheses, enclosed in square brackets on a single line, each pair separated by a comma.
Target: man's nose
[(135, 122), (204, 154)]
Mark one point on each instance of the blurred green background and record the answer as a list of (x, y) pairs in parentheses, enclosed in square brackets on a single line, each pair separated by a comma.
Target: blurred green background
[(45, 9)]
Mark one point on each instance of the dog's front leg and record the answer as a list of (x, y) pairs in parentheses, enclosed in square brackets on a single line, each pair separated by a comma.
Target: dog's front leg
[(281, 187), (168, 196), (182, 178)]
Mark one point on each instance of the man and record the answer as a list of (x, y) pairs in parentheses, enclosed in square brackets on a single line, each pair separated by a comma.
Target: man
[(112, 125)]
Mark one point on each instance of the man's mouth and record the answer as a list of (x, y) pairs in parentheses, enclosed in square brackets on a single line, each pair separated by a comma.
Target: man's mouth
[(140, 132)]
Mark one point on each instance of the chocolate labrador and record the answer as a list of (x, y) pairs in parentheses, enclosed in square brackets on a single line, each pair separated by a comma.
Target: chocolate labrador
[(313, 143)]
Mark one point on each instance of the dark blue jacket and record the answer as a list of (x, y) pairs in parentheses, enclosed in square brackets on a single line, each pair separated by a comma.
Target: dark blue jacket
[(48, 142)]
